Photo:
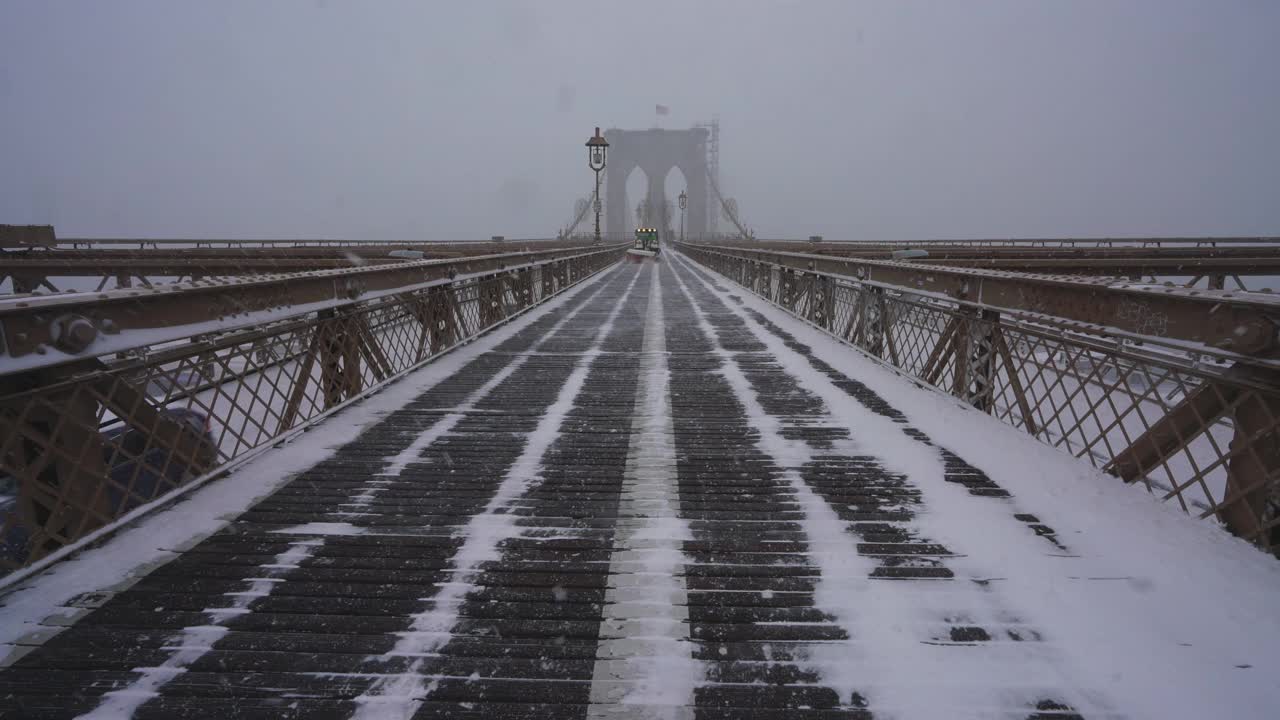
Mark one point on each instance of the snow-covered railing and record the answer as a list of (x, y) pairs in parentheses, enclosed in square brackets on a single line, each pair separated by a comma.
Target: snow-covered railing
[(125, 396), (1177, 389), (1216, 263), (1049, 242), (43, 330), (71, 264)]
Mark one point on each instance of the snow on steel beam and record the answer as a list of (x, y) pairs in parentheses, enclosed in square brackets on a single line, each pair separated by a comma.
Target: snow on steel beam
[(1164, 260), (1059, 242), (1237, 322), (40, 331), (26, 236), (54, 265), (1247, 264), (73, 248), (295, 243)]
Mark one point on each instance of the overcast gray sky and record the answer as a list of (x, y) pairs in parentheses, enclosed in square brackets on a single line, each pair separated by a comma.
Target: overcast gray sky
[(443, 120)]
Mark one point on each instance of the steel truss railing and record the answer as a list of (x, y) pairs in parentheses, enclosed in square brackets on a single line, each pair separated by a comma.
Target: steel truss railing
[(1031, 243), (1215, 263), (112, 264), (1191, 416), (85, 439)]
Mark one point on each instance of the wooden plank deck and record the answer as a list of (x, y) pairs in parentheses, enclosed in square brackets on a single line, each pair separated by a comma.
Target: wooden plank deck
[(588, 521)]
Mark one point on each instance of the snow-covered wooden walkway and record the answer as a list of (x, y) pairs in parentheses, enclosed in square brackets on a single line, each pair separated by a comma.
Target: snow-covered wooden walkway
[(653, 499)]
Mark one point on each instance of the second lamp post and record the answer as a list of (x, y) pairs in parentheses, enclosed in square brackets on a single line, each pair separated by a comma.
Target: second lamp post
[(684, 203), (597, 146)]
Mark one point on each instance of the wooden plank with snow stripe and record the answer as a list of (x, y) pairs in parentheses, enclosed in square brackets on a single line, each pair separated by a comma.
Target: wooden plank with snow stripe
[(641, 487)]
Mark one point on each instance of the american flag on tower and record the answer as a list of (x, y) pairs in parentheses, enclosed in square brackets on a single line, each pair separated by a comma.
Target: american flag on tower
[(662, 109)]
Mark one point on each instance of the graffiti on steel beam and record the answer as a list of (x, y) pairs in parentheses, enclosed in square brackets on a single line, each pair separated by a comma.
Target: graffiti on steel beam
[(1145, 319)]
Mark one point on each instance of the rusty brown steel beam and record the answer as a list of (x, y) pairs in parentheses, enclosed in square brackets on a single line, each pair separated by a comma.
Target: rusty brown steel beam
[(1017, 250), (1254, 462), (1235, 265), (1143, 413), (233, 248), (46, 235), (34, 269), (1234, 259), (233, 259), (1238, 322), (178, 266), (40, 331), (211, 398), (26, 236), (1195, 414), (295, 243), (250, 253), (1015, 242), (32, 255), (1097, 253)]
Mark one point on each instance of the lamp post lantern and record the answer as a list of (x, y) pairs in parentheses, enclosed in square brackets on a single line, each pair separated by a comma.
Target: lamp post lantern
[(597, 147), (684, 203)]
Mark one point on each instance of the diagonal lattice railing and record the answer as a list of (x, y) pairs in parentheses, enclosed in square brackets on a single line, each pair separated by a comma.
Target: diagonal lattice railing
[(153, 403), (1177, 410)]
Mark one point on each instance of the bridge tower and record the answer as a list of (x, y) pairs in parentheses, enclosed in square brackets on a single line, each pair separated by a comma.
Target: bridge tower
[(713, 171), (656, 151)]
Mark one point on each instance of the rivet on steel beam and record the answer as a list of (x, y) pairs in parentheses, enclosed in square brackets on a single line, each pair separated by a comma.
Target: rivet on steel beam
[(72, 333)]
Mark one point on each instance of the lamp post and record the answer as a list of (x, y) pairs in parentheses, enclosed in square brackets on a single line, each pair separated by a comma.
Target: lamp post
[(684, 203), (597, 146)]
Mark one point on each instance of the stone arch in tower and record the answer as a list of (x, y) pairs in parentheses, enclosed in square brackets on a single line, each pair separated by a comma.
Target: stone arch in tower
[(656, 152)]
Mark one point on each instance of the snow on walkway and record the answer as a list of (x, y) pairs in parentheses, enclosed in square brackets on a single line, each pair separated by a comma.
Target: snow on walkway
[(196, 641), (892, 658), (398, 696), (644, 667), (1160, 614), (781, 528), (158, 536), (411, 452)]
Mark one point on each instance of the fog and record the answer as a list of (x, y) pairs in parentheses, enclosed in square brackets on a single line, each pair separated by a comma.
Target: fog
[(440, 120)]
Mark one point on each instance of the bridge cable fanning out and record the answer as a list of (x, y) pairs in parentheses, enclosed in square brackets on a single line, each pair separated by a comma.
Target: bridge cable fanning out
[(582, 208), (730, 209)]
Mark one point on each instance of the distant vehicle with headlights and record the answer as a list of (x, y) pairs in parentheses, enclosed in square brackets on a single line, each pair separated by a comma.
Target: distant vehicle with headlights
[(646, 245)]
